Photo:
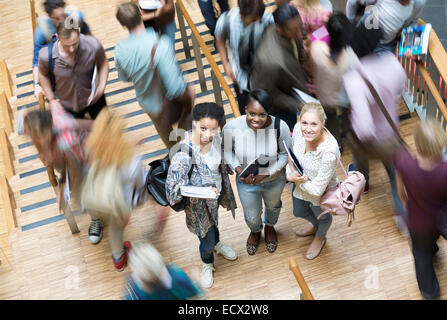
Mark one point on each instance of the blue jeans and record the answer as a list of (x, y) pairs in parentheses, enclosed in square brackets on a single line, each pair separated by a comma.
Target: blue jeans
[(306, 210), (208, 243), (206, 6), (251, 198)]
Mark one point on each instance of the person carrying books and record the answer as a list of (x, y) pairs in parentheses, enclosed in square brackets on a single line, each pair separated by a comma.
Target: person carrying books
[(316, 150), (246, 138), (45, 32), (197, 161)]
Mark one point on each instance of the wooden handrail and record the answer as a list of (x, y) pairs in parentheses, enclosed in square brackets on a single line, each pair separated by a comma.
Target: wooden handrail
[(6, 79), (6, 113), (7, 159), (432, 87), (8, 203), (214, 67), (300, 279), (33, 15)]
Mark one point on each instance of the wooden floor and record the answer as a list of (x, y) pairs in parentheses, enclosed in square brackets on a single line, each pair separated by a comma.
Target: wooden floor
[(48, 262)]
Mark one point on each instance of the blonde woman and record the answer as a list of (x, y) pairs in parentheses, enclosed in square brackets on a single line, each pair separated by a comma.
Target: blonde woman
[(108, 148), (422, 186), (317, 151)]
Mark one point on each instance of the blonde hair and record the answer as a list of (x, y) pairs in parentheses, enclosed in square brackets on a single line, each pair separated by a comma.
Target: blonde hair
[(147, 263), (430, 139), (314, 107), (307, 4), (107, 144)]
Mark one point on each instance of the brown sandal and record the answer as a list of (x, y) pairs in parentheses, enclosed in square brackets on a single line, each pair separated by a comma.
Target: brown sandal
[(273, 244), (253, 247)]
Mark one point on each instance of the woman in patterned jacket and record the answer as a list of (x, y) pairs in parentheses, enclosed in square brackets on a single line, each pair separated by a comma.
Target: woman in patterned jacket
[(204, 143)]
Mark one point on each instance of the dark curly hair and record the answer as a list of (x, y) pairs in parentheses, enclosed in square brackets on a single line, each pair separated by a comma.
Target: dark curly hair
[(208, 110)]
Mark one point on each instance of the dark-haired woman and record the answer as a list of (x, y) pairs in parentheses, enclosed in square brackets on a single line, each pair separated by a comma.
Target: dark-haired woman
[(246, 138), (204, 143), (330, 63)]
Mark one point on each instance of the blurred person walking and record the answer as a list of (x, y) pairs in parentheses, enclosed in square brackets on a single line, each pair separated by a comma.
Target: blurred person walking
[(278, 64), (330, 63), (208, 12), (161, 18), (46, 31), (152, 278), (242, 28), (149, 63), (422, 185), (66, 72), (115, 182)]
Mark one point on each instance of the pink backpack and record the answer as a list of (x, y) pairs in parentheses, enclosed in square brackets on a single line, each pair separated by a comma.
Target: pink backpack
[(341, 199)]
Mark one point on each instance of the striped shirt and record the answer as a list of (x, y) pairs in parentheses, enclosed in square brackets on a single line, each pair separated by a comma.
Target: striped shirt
[(230, 27)]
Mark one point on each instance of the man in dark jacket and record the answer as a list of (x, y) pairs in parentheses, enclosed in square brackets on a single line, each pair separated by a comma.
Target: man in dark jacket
[(278, 63)]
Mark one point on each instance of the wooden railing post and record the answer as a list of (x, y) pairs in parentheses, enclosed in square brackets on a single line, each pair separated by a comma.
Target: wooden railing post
[(6, 78), (305, 292), (195, 33), (216, 89), (181, 24), (7, 159), (33, 15), (6, 113), (198, 58), (67, 210), (9, 203)]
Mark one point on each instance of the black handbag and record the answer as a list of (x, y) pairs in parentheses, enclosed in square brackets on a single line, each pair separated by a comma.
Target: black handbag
[(156, 182)]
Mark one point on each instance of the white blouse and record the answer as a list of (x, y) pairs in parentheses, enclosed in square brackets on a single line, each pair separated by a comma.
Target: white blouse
[(320, 166)]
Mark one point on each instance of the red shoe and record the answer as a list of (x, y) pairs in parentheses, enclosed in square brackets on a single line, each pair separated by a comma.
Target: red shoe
[(121, 263)]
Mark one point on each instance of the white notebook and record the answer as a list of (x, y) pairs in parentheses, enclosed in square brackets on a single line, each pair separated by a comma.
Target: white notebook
[(304, 97), (198, 192), (94, 85)]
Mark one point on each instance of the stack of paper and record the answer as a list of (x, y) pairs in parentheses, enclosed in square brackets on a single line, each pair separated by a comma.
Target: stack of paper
[(198, 192)]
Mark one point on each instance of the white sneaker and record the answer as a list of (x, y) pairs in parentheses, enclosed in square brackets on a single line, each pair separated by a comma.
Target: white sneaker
[(207, 275), (95, 231), (226, 251)]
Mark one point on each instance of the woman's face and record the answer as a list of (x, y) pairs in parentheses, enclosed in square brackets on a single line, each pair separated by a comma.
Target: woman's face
[(311, 126), (207, 129), (256, 115)]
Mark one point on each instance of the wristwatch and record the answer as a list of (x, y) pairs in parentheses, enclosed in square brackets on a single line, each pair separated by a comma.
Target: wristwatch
[(36, 83)]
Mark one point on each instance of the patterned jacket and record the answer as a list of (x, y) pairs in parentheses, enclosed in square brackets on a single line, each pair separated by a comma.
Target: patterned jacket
[(201, 214)]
